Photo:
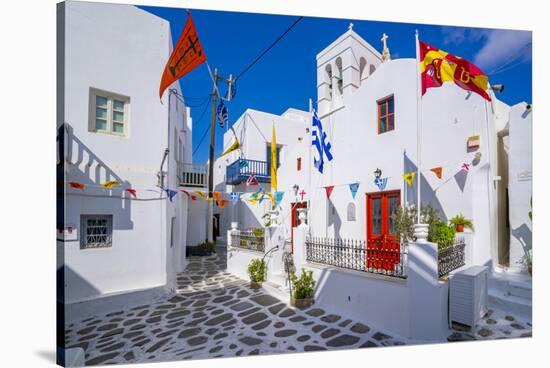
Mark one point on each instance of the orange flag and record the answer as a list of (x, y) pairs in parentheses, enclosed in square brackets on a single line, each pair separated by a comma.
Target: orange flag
[(218, 197), (76, 185), (223, 203), (437, 171), (186, 56)]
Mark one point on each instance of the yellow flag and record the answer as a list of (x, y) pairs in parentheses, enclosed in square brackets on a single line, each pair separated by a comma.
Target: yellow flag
[(273, 159), (110, 184), (203, 195), (235, 146), (409, 177)]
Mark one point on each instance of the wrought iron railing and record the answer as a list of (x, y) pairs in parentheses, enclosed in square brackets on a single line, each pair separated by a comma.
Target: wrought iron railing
[(192, 175), (451, 258), (353, 255), (246, 239), (241, 169)]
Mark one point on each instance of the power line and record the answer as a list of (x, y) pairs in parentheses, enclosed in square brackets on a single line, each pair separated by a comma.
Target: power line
[(205, 133), (269, 48)]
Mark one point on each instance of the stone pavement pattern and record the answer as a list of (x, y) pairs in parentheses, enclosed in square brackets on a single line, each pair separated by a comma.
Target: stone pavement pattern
[(214, 314)]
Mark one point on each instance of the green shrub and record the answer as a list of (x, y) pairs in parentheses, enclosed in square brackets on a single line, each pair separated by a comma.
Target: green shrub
[(257, 268), (405, 218), (442, 234), (303, 286), (207, 246), (258, 232), (461, 220)]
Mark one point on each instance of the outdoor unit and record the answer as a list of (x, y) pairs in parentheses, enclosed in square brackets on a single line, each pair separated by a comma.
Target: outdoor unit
[(468, 296)]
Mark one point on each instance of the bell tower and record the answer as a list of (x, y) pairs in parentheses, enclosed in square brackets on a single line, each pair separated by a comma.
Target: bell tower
[(342, 67)]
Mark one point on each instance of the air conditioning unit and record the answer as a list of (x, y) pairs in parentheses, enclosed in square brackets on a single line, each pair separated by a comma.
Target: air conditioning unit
[(468, 295)]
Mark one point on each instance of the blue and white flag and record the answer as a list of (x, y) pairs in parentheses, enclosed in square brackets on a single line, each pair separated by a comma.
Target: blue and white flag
[(221, 114), (234, 197), (381, 183), (322, 145)]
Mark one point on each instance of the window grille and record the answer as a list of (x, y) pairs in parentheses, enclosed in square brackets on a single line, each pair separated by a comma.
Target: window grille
[(96, 231)]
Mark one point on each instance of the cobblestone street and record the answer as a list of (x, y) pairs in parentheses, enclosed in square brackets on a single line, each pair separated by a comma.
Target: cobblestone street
[(215, 314)]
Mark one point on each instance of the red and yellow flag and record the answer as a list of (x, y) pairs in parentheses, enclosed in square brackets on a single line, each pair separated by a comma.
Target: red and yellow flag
[(438, 67), (186, 56)]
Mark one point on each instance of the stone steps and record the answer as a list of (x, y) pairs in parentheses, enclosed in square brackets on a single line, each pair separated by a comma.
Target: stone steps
[(512, 292)]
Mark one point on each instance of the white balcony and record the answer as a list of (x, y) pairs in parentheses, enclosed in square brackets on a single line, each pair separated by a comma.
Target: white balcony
[(192, 175)]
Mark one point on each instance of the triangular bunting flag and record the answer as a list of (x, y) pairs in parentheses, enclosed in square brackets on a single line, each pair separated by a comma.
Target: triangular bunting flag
[(381, 183), (234, 197), (254, 197), (354, 187), (202, 195), (110, 184), (223, 202), (170, 193), (133, 192), (252, 181), (409, 177), (279, 197), (76, 185), (438, 171), (234, 146), (218, 197), (328, 190)]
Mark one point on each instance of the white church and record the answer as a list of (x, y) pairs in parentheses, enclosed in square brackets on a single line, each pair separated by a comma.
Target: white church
[(368, 105)]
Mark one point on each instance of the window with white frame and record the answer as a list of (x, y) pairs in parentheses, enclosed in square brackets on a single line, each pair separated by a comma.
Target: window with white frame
[(109, 112), (96, 231)]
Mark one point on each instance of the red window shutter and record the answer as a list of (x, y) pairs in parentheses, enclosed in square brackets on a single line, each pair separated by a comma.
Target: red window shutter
[(299, 164)]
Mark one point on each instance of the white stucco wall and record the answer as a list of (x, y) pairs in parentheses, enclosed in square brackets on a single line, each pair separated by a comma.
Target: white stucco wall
[(520, 183), (121, 49)]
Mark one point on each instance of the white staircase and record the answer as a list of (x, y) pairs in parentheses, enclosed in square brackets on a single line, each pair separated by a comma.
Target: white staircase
[(511, 292)]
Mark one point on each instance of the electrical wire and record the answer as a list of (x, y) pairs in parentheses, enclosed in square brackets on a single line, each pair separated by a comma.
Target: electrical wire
[(267, 49), (205, 133)]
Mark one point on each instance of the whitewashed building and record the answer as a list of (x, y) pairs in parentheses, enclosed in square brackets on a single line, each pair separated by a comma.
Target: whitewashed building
[(367, 103), (112, 127)]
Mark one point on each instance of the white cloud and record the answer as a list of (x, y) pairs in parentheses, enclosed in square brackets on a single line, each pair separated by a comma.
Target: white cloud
[(503, 48), (500, 48)]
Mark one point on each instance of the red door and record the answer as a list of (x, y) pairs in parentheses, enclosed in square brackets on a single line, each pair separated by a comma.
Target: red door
[(294, 219), (383, 243)]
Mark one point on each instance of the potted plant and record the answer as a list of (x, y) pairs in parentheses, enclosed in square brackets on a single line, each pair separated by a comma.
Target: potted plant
[(303, 288), (257, 269), (460, 222), (443, 235)]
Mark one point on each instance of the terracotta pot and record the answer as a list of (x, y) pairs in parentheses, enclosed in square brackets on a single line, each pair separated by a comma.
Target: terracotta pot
[(301, 303), (459, 228), (255, 285)]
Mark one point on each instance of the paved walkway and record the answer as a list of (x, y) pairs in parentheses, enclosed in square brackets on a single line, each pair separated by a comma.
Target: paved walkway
[(215, 314)]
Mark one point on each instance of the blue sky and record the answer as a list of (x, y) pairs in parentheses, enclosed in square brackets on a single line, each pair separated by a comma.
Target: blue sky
[(286, 76)]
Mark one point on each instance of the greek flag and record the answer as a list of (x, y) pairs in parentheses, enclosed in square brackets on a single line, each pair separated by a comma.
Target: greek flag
[(221, 114), (322, 145)]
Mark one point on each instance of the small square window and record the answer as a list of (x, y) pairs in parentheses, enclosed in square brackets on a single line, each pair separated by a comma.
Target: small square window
[(110, 112), (96, 231), (386, 115)]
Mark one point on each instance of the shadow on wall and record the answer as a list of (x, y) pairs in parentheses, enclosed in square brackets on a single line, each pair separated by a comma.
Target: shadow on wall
[(94, 173), (335, 221), (77, 282), (524, 236), (429, 196)]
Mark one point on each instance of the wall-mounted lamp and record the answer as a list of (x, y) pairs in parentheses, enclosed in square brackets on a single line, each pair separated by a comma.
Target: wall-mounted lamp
[(295, 188), (377, 173), (499, 88), (528, 107)]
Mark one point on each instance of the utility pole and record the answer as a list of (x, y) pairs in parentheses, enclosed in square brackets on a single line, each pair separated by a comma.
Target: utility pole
[(230, 93), (210, 216)]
